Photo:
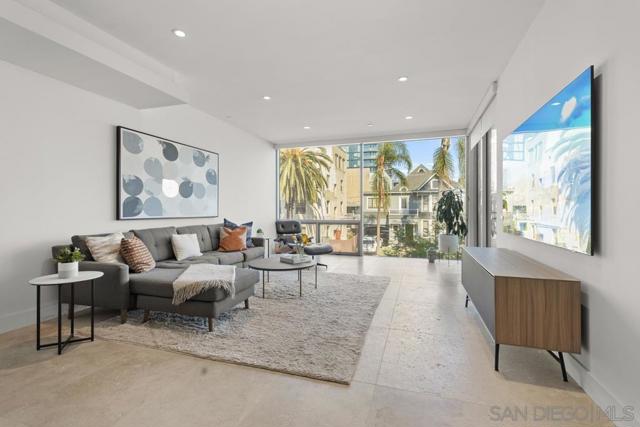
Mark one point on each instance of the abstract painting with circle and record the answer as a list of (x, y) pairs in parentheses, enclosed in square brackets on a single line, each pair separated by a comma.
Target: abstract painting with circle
[(160, 178)]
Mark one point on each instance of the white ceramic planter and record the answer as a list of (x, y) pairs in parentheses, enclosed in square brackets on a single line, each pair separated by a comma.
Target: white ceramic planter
[(67, 269), (448, 243)]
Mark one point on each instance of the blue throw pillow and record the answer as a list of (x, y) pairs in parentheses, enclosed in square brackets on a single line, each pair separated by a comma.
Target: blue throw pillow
[(249, 225)]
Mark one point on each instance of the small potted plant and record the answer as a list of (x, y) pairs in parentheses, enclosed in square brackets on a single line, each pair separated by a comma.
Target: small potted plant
[(68, 262), (432, 253), (259, 232), (449, 211)]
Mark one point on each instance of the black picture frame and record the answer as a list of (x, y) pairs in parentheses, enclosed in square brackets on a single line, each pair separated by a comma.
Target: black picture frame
[(119, 184)]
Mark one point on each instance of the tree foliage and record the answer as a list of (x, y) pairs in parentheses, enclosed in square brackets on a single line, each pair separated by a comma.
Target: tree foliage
[(460, 151), (392, 156), (303, 176), (443, 160)]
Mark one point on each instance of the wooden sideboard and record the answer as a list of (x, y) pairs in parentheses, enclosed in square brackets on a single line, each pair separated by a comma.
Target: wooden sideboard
[(523, 302)]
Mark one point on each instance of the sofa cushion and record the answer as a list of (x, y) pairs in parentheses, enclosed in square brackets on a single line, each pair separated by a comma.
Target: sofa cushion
[(227, 258), (137, 255), (185, 246), (159, 282), (249, 225), (214, 232), (206, 258), (105, 249), (204, 236), (253, 253), (79, 241), (158, 241), (172, 263), (233, 240)]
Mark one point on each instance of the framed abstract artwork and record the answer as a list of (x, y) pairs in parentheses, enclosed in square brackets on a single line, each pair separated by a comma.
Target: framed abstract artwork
[(160, 178)]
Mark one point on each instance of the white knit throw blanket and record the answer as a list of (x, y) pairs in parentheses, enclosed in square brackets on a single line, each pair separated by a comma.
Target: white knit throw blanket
[(198, 278)]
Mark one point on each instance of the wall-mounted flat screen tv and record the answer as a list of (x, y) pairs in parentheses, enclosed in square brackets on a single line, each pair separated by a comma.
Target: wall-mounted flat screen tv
[(547, 167)]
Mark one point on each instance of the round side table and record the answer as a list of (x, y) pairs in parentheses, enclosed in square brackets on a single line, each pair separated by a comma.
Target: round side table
[(54, 280)]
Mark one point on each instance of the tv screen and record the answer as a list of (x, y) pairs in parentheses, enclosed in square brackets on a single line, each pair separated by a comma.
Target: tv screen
[(547, 169)]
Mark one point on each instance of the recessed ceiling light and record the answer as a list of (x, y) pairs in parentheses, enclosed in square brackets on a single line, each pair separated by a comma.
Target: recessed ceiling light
[(266, 98), (179, 33), (409, 118), (369, 124), (306, 127), (403, 79)]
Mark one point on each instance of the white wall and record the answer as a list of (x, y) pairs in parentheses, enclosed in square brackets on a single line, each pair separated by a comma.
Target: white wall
[(566, 37), (58, 174)]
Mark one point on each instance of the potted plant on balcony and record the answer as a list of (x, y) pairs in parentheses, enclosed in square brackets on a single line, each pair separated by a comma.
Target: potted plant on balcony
[(449, 211), (68, 262)]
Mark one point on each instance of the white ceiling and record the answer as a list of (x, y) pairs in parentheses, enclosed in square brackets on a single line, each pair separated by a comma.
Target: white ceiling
[(331, 65)]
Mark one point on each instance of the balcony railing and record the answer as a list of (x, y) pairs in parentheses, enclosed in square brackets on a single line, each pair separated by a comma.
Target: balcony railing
[(418, 213), (342, 235)]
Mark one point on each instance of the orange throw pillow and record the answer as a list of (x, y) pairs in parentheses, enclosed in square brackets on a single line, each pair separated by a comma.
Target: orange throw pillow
[(233, 240)]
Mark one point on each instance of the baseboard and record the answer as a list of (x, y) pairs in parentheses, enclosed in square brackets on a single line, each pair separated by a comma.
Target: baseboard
[(19, 319), (601, 396), (614, 409)]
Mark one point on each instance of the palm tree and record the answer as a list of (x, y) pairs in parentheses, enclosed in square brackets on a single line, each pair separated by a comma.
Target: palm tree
[(303, 176), (460, 143), (573, 154), (391, 157), (443, 160)]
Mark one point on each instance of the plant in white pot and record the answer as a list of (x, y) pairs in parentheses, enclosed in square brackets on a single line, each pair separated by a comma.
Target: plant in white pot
[(68, 262), (450, 212)]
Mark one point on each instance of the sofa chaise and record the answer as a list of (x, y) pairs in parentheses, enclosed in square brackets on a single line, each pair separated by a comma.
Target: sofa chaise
[(153, 290)]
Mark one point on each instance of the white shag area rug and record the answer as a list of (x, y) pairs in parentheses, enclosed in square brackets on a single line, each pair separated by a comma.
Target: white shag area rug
[(318, 336)]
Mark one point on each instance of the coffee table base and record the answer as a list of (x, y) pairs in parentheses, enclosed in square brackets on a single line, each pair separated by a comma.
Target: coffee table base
[(299, 279)]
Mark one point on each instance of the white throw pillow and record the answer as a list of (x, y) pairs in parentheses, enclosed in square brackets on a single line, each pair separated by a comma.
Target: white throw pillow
[(185, 246), (106, 248)]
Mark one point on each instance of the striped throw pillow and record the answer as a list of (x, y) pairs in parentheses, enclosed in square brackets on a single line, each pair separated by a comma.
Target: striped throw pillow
[(232, 240), (137, 255), (105, 248)]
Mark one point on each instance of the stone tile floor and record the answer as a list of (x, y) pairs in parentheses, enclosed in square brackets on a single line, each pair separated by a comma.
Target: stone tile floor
[(426, 362)]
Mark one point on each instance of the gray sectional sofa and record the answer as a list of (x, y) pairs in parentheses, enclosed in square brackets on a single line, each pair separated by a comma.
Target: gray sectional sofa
[(153, 290)]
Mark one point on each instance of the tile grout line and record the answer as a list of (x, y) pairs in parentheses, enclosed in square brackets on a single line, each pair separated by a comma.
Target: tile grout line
[(386, 338)]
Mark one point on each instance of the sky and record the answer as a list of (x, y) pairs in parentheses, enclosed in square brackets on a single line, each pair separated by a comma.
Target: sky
[(422, 152)]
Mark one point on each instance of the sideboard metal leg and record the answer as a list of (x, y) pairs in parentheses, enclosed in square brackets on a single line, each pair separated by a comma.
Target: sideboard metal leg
[(560, 359), (563, 367), (466, 302), (497, 357)]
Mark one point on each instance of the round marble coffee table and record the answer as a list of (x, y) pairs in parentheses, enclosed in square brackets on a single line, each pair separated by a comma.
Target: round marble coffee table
[(274, 264)]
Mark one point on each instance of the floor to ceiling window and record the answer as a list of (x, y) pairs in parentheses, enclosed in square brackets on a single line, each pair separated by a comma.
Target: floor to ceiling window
[(320, 187), (371, 198)]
